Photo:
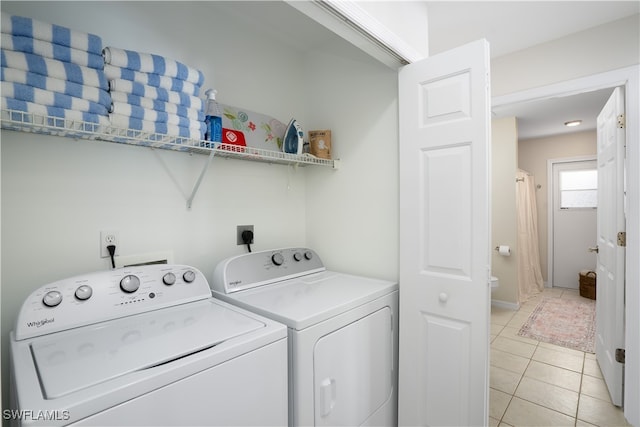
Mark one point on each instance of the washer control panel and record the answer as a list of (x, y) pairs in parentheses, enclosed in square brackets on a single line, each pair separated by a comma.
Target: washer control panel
[(262, 268), (105, 295)]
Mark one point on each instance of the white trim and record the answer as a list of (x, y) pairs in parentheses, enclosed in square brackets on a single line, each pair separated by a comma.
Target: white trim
[(351, 22), (373, 28), (609, 79), (629, 77), (505, 304), (551, 208)]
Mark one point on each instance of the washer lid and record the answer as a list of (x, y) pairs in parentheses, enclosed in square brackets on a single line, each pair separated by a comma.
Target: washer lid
[(307, 300), (72, 360)]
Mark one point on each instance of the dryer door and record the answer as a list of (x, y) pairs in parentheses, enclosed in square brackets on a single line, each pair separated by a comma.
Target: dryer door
[(353, 371)]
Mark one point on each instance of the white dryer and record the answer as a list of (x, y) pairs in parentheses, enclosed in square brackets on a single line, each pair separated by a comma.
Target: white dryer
[(343, 333), (145, 345)]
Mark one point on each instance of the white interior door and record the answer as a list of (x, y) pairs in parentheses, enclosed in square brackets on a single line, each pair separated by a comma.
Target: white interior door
[(611, 220), (444, 105), (575, 204)]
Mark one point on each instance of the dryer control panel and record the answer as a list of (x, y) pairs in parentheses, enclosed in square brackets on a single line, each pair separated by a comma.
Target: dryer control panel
[(106, 295), (255, 269)]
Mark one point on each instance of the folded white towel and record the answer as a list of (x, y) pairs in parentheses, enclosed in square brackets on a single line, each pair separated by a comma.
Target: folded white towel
[(154, 116), (157, 105), (53, 51), (27, 27), (54, 68), (158, 93), (48, 98), (150, 63), (126, 122), (56, 85), (156, 80), (55, 116)]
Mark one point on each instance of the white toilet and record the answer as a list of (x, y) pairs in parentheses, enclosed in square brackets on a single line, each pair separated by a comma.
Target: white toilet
[(494, 283)]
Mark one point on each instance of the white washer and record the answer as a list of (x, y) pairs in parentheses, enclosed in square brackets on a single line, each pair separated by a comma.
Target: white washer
[(145, 345), (343, 333)]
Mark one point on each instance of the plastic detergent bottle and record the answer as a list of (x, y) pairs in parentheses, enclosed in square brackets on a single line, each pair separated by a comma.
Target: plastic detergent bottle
[(213, 119)]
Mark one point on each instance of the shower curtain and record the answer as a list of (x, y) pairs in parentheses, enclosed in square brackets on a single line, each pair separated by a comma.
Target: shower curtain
[(530, 280)]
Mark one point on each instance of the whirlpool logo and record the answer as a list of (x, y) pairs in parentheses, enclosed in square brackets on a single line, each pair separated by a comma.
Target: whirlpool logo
[(39, 323)]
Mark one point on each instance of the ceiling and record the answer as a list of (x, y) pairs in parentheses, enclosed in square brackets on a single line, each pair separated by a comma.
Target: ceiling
[(510, 26)]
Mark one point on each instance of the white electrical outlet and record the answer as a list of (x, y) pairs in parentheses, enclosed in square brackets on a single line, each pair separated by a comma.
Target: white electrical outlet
[(107, 238)]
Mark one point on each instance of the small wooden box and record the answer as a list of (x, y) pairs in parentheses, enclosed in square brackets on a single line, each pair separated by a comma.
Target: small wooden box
[(588, 284)]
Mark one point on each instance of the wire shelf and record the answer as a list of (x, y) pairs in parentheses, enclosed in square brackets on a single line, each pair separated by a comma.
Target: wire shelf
[(57, 126)]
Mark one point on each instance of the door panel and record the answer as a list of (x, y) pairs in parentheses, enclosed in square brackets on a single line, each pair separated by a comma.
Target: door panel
[(444, 238), (610, 280)]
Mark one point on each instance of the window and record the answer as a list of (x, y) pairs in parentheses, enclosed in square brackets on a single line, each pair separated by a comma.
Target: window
[(579, 189)]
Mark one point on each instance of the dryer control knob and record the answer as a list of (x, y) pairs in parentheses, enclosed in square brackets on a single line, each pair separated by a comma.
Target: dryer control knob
[(84, 292), (189, 276), (130, 283), (308, 255), (277, 258), (169, 279), (52, 298), (297, 256)]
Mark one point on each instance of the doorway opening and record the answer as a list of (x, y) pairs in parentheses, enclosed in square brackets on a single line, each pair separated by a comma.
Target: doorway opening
[(572, 217), (627, 79)]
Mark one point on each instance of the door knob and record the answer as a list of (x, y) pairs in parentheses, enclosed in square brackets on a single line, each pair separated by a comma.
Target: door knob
[(593, 249)]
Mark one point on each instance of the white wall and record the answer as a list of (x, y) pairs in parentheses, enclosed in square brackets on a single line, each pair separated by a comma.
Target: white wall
[(352, 214), (504, 157), (604, 48), (58, 193), (407, 19)]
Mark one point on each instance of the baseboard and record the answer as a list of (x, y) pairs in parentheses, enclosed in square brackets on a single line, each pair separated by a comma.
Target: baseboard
[(505, 304)]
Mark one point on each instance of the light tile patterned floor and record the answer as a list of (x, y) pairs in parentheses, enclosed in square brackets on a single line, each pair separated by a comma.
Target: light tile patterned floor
[(538, 384)]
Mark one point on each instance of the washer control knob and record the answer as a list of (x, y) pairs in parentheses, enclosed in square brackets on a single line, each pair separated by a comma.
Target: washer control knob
[(52, 298), (130, 283), (169, 279), (277, 258), (308, 255), (189, 276), (297, 256), (84, 292)]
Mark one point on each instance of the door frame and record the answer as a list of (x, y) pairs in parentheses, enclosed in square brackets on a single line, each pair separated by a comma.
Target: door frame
[(629, 78), (551, 207)]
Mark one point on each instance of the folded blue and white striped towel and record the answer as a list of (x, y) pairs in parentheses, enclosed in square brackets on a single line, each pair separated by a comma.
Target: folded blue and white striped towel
[(27, 27), (52, 84), (156, 80), (153, 115), (54, 68), (53, 51), (43, 110), (48, 98), (126, 122), (135, 88), (157, 105), (150, 63)]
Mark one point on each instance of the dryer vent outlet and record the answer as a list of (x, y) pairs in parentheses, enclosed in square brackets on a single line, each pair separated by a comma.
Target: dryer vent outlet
[(239, 230)]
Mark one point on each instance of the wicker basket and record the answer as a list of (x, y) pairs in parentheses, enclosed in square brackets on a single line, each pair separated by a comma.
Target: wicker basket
[(588, 284)]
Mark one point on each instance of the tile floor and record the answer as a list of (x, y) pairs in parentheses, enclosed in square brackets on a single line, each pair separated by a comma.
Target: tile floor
[(538, 384)]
